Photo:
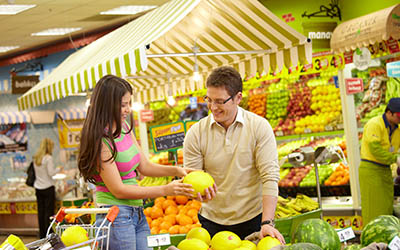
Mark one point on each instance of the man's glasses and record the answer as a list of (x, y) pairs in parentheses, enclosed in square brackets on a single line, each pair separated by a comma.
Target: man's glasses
[(218, 101)]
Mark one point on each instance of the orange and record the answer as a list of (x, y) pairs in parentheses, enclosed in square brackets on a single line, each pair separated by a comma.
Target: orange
[(183, 230), (185, 220), (171, 210), (174, 229), (147, 211), (170, 218), (170, 197), (163, 231), (168, 203), (191, 212), (196, 204), (181, 199), (183, 210), (165, 225), (149, 220), (195, 219), (154, 230), (159, 199), (155, 223), (156, 212)]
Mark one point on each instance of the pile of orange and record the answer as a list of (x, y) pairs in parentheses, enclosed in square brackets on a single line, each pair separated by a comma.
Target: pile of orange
[(173, 215), (340, 176), (258, 104)]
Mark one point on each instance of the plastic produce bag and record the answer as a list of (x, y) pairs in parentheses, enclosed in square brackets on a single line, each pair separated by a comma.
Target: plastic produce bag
[(13, 242)]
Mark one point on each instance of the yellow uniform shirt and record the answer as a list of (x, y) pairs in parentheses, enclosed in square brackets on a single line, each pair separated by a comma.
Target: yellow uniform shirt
[(243, 161), (376, 145)]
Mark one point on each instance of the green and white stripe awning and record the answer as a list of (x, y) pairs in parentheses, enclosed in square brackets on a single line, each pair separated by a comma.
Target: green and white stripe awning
[(121, 53), (216, 27), (220, 26)]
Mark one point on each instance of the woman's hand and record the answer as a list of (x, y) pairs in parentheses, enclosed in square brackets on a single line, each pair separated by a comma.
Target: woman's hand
[(182, 172), (178, 188)]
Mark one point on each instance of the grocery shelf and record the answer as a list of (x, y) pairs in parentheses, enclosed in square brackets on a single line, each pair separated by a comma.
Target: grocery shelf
[(326, 191), (302, 136)]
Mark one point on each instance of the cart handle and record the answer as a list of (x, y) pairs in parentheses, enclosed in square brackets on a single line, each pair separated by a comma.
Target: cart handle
[(112, 212)]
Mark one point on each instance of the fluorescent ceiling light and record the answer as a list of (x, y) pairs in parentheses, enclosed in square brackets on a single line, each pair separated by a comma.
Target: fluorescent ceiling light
[(128, 10), (55, 32), (7, 48), (12, 9)]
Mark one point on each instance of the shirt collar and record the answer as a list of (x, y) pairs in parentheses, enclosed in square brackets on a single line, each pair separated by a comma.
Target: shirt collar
[(239, 117), (387, 125)]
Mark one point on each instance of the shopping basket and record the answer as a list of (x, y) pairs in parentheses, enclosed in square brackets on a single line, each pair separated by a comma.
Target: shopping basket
[(98, 235)]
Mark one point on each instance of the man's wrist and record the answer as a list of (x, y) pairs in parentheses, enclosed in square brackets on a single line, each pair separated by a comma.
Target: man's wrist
[(270, 222)]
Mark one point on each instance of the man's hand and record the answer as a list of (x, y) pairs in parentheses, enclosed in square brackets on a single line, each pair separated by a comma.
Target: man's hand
[(271, 231), (210, 193)]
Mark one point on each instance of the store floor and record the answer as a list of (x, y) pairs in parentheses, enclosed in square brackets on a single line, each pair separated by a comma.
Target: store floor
[(25, 238)]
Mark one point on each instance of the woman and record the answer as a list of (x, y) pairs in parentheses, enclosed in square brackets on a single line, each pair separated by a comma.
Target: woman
[(44, 184), (108, 157)]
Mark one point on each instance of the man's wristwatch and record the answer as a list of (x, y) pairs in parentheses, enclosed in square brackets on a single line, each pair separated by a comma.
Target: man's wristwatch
[(268, 222)]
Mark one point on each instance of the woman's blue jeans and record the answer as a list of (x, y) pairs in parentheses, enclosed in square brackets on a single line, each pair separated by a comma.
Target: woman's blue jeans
[(129, 230)]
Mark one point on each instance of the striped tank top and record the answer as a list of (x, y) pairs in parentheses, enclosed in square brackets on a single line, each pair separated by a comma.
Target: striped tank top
[(127, 160)]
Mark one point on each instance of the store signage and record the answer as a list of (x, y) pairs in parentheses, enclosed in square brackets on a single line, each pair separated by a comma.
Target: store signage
[(346, 234), (189, 124), (342, 222), (354, 85), (393, 69), (193, 102), (323, 63), (146, 115), (21, 84), (69, 133), (158, 240), (167, 136), (320, 33)]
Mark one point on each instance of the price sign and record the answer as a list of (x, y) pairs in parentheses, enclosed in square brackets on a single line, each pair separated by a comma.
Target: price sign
[(279, 133), (346, 234), (395, 243), (70, 136), (189, 124), (158, 240), (307, 130), (168, 136)]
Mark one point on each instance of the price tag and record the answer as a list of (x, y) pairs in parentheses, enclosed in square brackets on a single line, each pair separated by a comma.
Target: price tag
[(157, 240), (339, 126), (279, 133), (328, 128), (395, 243), (307, 130), (346, 234)]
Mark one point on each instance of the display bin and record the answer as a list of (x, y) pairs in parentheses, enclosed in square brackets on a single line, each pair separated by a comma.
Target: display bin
[(175, 240), (287, 226)]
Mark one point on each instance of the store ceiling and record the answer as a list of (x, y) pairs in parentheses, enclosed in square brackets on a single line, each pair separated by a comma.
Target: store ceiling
[(16, 30)]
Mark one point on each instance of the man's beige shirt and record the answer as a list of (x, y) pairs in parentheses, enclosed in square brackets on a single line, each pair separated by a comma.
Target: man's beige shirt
[(243, 161)]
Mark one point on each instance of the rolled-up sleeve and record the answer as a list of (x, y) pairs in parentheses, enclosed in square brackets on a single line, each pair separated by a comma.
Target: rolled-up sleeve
[(266, 156)]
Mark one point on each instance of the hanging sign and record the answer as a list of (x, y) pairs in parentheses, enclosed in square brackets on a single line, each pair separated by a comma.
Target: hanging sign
[(69, 132), (167, 136), (354, 85), (323, 63), (21, 84), (146, 115), (393, 69)]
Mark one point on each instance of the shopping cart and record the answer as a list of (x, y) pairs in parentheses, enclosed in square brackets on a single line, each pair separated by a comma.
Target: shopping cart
[(98, 235)]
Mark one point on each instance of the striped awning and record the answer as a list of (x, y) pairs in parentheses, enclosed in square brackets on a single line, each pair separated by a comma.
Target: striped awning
[(14, 117), (72, 113), (217, 27)]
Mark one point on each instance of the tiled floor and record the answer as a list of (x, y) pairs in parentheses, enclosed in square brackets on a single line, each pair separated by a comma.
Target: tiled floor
[(25, 238)]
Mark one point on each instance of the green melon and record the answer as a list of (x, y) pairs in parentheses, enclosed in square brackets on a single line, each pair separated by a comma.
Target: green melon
[(353, 247), (303, 246), (318, 232), (381, 229)]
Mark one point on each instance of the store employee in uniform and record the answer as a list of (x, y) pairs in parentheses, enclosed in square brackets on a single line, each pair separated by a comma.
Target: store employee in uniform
[(379, 149)]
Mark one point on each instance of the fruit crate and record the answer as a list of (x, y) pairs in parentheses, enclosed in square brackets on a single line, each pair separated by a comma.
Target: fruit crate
[(175, 240), (287, 226)]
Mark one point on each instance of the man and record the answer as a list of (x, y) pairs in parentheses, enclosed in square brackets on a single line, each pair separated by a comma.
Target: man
[(238, 149), (379, 149)]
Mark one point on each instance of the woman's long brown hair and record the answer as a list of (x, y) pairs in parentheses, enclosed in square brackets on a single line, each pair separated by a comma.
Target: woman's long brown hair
[(103, 112)]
